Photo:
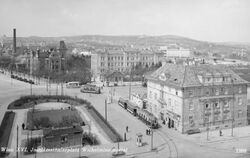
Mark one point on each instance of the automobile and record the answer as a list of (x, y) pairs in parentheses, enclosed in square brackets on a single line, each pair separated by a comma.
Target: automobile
[(193, 131), (88, 88), (74, 84)]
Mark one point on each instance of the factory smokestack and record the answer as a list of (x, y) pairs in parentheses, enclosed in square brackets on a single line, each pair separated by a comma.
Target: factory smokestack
[(14, 41)]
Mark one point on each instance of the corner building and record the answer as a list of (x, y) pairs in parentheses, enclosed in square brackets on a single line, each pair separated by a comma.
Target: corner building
[(191, 97)]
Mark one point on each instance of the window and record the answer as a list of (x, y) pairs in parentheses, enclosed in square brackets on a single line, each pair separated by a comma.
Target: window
[(191, 106), (216, 91), (216, 117), (64, 139), (226, 117), (222, 90), (240, 89), (207, 106), (206, 120), (191, 120), (225, 103), (190, 93), (216, 105), (169, 102), (226, 91), (240, 113), (240, 101), (207, 91)]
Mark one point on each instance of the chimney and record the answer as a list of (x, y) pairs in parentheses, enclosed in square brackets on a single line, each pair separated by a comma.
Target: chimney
[(14, 41)]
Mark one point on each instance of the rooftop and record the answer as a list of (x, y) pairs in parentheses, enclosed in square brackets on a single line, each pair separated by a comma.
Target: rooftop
[(188, 75)]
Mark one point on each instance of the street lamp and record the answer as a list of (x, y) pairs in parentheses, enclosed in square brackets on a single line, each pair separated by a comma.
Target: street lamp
[(232, 132), (152, 138)]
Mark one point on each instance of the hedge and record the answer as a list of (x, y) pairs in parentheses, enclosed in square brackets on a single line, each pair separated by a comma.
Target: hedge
[(5, 129), (109, 130), (30, 100)]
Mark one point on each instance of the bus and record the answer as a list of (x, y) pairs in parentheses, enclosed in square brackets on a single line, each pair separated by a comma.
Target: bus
[(73, 84), (88, 88)]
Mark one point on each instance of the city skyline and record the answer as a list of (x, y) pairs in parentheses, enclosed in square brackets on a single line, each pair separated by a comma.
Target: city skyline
[(222, 21)]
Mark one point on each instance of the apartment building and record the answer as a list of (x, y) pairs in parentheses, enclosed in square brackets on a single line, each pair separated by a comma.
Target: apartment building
[(121, 60), (191, 97)]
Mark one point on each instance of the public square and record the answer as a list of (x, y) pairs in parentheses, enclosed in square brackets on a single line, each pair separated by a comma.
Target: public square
[(166, 142)]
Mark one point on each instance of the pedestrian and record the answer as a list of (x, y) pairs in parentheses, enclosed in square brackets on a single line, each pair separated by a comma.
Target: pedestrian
[(220, 133), (146, 131), (149, 131), (127, 128), (23, 126)]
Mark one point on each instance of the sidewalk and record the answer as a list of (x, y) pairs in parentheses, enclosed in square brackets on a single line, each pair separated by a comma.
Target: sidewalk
[(214, 136), (119, 119)]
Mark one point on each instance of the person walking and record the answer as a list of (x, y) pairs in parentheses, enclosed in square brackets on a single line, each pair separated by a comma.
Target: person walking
[(220, 133), (127, 128)]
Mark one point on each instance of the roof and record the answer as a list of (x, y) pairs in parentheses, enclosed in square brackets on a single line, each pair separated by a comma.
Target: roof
[(243, 72), (61, 131), (187, 75)]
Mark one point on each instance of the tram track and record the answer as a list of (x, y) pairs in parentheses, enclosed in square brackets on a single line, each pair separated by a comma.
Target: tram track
[(173, 150)]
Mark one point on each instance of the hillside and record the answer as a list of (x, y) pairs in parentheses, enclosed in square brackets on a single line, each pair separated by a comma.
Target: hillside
[(142, 40)]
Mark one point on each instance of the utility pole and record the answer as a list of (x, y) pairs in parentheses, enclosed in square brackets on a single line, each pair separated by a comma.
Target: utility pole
[(106, 110), (31, 69), (207, 131), (152, 138), (62, 88), (17, 141), (232, 132), (80, 148), (130, 86)]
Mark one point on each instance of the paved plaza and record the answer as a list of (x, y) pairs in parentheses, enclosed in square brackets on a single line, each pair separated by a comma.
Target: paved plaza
[(166, 142)]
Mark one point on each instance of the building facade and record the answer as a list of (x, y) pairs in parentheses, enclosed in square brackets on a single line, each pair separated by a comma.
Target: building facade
[(174, 51), (121, 61), (198, 97)]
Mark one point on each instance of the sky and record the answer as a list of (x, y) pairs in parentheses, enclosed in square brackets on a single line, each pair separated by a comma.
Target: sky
[(207, 20)]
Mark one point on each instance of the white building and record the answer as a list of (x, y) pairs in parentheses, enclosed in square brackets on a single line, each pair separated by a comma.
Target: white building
[(174, 51)]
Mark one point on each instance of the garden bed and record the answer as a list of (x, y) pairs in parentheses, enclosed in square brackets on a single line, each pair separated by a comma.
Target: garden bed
[(52, 118), (5, 130), (31, 100)]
